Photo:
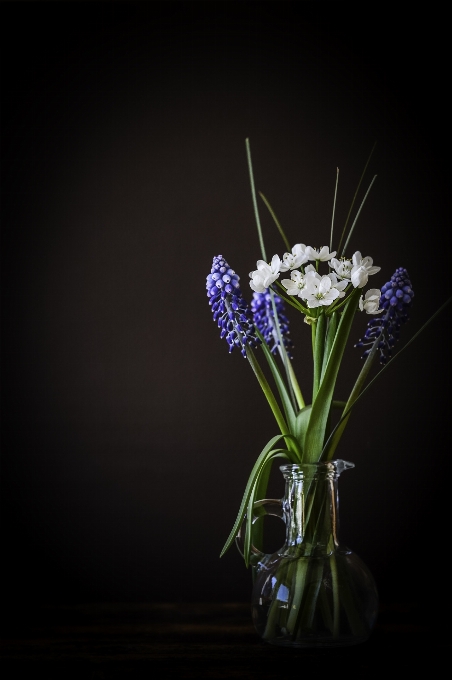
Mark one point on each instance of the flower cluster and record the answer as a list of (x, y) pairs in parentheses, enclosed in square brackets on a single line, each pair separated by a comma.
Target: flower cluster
[(229, 308), (264, 319), (395, 300), (306, 283)]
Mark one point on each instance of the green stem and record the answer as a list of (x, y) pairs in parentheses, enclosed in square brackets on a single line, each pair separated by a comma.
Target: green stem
[(358, 386), (268, 394), (336, 305), (354, 197), (253, 194), (313, 337), (335, 586), (289, 411), (334, 208), (333, 323), (274, 612), (297, 584), (357, 215), (319, 345), (282, 349)]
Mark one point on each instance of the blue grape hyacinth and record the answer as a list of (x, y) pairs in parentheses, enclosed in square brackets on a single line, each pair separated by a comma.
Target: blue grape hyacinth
[(264, 319), (396, 299), (230, 309)]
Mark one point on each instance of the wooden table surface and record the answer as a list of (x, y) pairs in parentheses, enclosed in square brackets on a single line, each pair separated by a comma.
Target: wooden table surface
[(204, 640)]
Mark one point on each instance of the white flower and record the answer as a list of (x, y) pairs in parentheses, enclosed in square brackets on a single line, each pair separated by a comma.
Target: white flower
[(342, 267), (339, 285), (362, 269), (294, 260), (297, 282), (371, 301), (265, 274), (323, 255), (359, 277), (320, 291)]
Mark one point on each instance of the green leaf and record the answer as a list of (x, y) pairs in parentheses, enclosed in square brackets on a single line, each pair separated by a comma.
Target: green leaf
[(258, 486), (261, 493), (294, 449), (301, 425), (302, 421), (267, 452), (315, 434)]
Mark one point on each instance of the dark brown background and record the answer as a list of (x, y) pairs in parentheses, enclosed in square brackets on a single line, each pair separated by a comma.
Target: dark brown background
[(128, 432)]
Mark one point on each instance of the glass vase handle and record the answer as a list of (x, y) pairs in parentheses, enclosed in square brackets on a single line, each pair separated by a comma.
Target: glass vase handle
[(267, 506)]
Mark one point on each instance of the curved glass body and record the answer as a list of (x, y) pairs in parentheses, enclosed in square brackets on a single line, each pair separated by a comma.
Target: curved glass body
[(313, 592)]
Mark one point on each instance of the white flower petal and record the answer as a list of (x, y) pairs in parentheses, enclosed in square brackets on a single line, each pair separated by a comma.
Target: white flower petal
[(257, 287), (299, 249), (332, 294), (311, 285), (275, 264), (325, 284), (268, 280), (333, 278), (325, 254), (299, 255), (359, 277), (371, 301), (373, 292), (290, 286)]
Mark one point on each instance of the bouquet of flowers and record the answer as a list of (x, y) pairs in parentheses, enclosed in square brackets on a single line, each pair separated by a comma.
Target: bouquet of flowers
[(328, 288)]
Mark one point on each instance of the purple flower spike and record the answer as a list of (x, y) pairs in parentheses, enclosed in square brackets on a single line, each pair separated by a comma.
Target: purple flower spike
[(396, 299), (262, 308), (230, 310)]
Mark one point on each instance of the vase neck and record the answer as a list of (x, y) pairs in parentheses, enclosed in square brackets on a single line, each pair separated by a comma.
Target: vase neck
[(311, 506)]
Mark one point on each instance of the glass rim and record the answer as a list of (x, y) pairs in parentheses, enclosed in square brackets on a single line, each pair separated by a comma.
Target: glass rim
[(336, 465)]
